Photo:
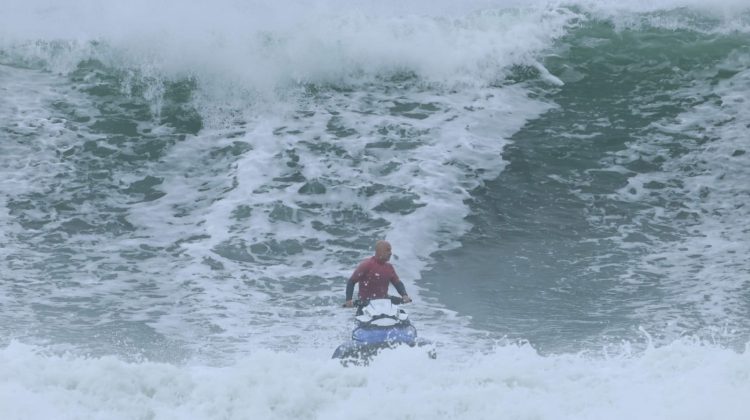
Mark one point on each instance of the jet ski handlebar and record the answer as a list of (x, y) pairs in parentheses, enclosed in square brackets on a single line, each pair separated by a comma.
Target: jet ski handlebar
[(361, 303)]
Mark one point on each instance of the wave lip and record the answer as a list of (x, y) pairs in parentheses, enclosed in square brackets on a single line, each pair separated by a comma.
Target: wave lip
[(262, 47)]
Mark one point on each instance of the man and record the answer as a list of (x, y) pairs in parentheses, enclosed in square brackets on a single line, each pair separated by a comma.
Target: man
[(373, 275)]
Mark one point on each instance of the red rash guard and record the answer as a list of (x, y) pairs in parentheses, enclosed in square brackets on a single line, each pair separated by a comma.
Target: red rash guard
[(373, 277)]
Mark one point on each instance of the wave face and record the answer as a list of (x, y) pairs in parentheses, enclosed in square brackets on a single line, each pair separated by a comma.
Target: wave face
[(185, 188)]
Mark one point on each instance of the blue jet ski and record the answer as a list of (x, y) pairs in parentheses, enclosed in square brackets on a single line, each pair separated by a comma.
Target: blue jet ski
[(381, 324)]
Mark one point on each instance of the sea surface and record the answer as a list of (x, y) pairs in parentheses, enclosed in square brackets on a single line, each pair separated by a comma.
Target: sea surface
[(186, 186)]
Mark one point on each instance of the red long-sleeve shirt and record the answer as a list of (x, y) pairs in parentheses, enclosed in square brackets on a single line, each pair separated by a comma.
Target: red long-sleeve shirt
[(373, 277)]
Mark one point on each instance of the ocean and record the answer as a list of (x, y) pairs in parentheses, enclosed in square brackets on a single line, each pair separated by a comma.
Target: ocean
[(185, 189)]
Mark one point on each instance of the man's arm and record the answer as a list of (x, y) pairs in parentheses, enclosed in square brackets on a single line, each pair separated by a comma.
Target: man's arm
[(349, 292), (400, 288), (402, 291)]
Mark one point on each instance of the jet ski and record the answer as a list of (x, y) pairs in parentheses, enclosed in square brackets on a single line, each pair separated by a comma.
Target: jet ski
[(380, 324)]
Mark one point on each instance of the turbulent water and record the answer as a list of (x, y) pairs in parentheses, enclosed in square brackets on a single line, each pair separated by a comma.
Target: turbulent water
[(184, 190)]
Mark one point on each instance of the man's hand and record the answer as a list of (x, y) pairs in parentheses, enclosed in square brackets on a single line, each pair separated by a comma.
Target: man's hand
[(406, 298), (348, 304)]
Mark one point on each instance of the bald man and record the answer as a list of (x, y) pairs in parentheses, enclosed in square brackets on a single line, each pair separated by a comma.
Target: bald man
[(373, 275)]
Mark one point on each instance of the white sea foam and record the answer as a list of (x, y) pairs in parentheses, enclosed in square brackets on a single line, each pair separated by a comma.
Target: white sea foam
[(32, 135), (685, 380), (701, 193), (259, 47)]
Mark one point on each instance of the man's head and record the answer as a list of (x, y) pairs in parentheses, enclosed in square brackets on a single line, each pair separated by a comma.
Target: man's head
[(382, 251)]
